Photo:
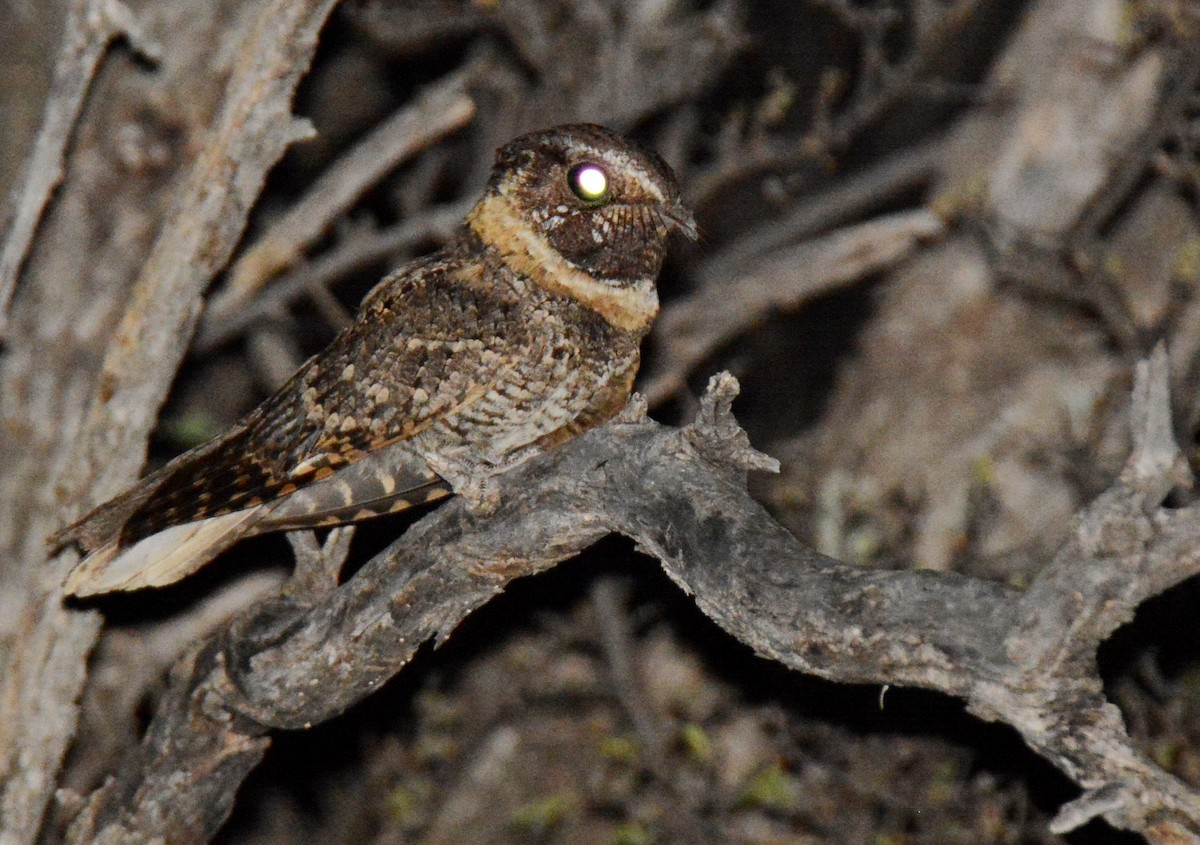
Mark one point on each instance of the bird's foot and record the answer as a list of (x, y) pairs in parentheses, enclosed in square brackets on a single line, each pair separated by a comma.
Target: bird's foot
[(474, 478)]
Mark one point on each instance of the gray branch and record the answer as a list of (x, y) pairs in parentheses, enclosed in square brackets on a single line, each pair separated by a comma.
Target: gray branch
[(440, 110), (253, 128), (680, 494), (91, 26)]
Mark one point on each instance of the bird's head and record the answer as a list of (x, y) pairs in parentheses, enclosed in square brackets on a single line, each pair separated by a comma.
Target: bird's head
[(584, 211)]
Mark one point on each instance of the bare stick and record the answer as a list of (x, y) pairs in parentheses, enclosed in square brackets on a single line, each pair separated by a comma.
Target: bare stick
[(609, 604), (318, 565), (881, 92), (440, 110), (355, 252), (90, 27), (846, 200), (691, 328)]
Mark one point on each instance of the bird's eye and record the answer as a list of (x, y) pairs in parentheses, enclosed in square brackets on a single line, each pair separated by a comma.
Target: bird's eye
[(589, 182)]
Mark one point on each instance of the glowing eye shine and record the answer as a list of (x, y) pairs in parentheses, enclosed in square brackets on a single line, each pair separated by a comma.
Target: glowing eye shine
[(589, 182)]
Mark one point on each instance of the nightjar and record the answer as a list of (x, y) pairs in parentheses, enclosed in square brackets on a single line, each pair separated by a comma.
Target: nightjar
[(520, 333)]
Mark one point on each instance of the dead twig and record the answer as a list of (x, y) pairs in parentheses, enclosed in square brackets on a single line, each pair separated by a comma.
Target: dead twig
[(356, 251), (318, 565), (1133, 161), (690, 329), (91, 26), (440, 110), (608, 600), (883, 87), (848, 198)]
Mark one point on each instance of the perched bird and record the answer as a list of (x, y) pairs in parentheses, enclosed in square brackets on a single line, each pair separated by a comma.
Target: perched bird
[(522, 332)]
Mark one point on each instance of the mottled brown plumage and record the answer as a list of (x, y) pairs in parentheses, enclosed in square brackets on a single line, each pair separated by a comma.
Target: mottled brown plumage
[(523, 331)]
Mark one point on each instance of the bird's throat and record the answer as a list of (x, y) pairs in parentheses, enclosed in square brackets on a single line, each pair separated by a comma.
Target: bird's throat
[(628, 305)]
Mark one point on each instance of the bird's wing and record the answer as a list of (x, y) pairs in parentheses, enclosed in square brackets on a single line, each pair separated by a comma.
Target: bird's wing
[(425, 345), (385, 481)]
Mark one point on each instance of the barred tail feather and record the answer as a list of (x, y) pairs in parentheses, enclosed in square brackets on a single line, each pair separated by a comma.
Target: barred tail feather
[(162, 558)]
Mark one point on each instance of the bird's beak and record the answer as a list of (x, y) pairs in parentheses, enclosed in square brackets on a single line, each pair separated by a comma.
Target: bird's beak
[(680, 218)]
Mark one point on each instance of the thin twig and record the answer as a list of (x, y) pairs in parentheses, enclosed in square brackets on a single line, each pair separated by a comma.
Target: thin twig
[(608, 604), (440, 110), (91, 26), (1132, 162), (608, 598), (318, 565), (832, 134), (356, 251), (690, 329), (848, 198), (876, 98)]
